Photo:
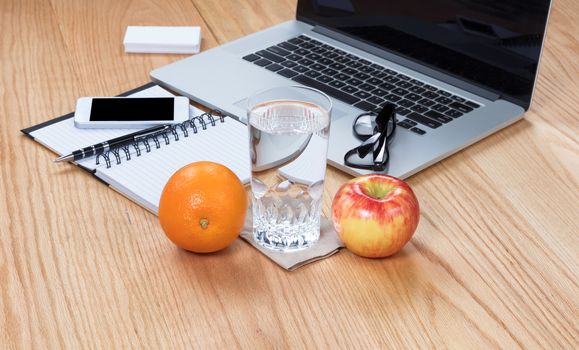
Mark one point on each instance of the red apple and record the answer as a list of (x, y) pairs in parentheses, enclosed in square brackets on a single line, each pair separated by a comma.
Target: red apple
[(375, 215)]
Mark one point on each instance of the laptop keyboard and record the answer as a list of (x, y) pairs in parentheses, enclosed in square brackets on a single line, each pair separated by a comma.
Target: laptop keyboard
[(362, 83)]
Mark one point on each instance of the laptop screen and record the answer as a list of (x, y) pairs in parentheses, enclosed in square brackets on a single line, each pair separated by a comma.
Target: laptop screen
[(494, 44)]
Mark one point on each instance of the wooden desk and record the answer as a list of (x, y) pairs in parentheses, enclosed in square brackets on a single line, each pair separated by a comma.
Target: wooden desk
[(494, 262)]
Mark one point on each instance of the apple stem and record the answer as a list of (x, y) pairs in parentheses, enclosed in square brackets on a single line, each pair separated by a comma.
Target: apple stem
[(376, 190)]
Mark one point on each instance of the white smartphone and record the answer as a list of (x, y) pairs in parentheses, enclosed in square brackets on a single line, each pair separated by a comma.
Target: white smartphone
[(129, 112)]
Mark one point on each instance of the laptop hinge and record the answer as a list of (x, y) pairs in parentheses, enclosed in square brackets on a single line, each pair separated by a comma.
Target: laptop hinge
[(352, 41)]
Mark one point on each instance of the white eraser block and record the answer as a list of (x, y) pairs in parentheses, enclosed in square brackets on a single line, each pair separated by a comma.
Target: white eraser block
[(154, 39)]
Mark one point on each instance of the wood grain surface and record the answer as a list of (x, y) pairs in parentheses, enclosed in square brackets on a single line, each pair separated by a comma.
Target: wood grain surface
[(494, 263)]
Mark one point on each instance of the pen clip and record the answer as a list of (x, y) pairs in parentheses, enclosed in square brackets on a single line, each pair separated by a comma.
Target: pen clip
[(154, 132)]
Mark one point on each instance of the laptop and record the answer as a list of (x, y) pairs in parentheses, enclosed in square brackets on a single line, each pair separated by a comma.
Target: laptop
[(457, 70)]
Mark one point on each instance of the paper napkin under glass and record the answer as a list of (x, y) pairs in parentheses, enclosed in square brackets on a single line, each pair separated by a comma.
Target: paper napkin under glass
[(328, 245)]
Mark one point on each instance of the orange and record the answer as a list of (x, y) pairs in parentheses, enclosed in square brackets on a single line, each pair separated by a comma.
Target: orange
[(202, 207)]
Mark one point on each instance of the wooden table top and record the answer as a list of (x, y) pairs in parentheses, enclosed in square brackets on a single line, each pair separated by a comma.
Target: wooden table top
[(494, 262)]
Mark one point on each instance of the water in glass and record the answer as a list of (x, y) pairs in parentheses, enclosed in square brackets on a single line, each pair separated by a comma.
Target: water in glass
[(286, 209)]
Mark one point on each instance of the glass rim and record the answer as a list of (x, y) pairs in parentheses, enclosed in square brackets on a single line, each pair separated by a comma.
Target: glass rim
[(249, 100)]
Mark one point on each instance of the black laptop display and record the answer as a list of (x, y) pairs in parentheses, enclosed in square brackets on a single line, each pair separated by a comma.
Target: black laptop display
[(494, 44)]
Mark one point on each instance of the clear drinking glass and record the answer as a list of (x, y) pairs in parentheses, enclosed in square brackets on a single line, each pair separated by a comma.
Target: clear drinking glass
[(288, 140)]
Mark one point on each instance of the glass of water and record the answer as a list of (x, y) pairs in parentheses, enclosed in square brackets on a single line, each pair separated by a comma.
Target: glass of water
[(288, 141)]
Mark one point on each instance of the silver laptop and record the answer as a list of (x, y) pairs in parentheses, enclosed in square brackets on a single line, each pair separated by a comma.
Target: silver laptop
[(457, 71)]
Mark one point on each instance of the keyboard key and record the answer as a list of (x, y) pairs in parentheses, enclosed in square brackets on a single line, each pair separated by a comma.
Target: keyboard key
[(251, 57), (366, 87), (325, 61), (349, 71), (366, 69), (364, 62), (341, 76), (376, 100), (444, 93), (361, 76), (295, 41), (330, 54), (431, 95), (288, 73), (391, 79), (458, 98), (354, 82), (393, 98), (439, 108), (404, 84), (317, 66), (430, 87), (410, 122), (406, 103), (337, 66), (313, 74), (349, 89), (270, 56), (307, 45), (416, 82), (403, 77), (426, 102), (420, 109), (324, 79), (362, 94), (438, 117), (262, 62), (343, 60), (460, 107), (350, 56), (306, 62), (274, 67), (327, 47), (315, 42), (319, 50), (404, 125), (304, 38), (390, 71), (387, 86), (374, 81), (337, 84), (365, 106), (340, 95), (379, 75), (472, 104), (402, 111), (453, 113), (301, 69), (330, 71), (399, 91), (314, 56), (414, 97), (379, 92), (417, 89), (287, 46), (289, 64), (443, 100), (376, 66), (278, 50), (354, 64), (423, 120), (302, 52), (293, 57), (418, 131)]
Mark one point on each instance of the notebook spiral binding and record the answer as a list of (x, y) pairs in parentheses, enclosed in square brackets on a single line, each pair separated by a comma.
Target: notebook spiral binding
[(194, 124)]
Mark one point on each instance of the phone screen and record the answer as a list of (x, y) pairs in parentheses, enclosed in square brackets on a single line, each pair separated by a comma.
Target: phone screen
[(132, 109)]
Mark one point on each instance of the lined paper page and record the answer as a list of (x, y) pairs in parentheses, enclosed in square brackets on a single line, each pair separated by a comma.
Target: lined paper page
[(143, 178), (63, 137)]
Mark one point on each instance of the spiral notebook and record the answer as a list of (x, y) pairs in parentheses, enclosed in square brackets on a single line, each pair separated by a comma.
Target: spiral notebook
[(141, 171)]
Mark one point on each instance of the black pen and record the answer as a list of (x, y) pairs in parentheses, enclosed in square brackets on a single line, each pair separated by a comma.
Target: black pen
[(103, 147)]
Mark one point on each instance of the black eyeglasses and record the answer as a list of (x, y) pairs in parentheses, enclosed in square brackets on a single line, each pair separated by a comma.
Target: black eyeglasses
[(376, 130)]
